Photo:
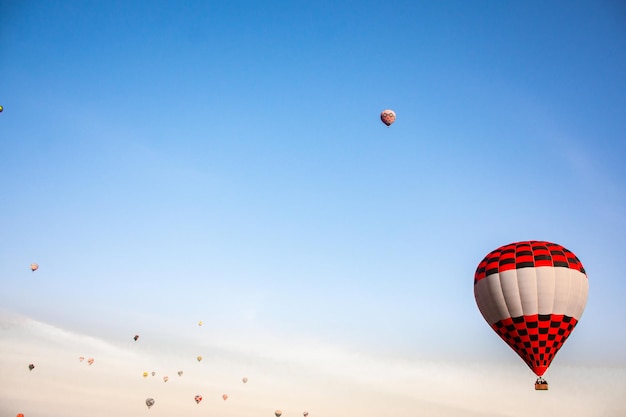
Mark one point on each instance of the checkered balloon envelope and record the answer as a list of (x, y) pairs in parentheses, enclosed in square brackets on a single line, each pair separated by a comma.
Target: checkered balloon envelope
[(532, 294)]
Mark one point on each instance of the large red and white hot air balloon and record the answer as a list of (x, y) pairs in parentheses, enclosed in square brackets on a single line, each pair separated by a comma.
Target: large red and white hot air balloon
[(532, 294)]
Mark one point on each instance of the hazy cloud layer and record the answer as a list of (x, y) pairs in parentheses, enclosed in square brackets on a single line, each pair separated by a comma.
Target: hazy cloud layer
[(325, 380)]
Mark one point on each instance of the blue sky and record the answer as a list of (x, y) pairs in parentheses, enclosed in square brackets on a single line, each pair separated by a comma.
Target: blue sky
[(166, 163)]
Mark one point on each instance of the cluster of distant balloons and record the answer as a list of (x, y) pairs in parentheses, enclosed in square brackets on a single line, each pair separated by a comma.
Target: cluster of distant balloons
[(197, 398)]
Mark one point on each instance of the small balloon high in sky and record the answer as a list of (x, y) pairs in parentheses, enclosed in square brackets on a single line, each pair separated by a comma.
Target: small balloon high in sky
[(388, 117)]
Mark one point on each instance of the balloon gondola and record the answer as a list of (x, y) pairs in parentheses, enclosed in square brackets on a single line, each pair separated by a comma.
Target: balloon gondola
[(541, 384)]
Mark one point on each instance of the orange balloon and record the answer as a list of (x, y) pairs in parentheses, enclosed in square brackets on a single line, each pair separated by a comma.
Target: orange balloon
[(225, 397)]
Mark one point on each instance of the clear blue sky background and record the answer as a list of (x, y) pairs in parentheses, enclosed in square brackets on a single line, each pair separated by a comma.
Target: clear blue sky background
[(168, 162)]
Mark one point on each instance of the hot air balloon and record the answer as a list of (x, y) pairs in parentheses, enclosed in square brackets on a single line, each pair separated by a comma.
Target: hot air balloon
[(388, 117), (18, 414), (305, 414), (149, 402), (31, 367), (224, 397), (180, 373), (1, 109), (81, 358), (153, 373), (244, 379), (90, 361), (34, 267), (278, 413), (200, 323), (145, 375), (198, 398), (532, 294), (165, 378), (199, 358), (135, 337)]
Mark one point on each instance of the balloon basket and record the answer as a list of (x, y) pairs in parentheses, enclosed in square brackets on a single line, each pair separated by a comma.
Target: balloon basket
[(541, 386)]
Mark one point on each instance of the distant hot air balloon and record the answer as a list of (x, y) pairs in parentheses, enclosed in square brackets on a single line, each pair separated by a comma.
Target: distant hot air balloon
[(388, 117), (81, 358), (34, 267), (18, 414), (153, 373), (199, 358), (136, 337), (149, 402), (278, 413), (224, 397), (198, 398), (305, 414), (90, 361), (165, 378), (145, 374), (1, 109), (180, 373), (532, 294), (31, 367), (244, 379), (200, 323)]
